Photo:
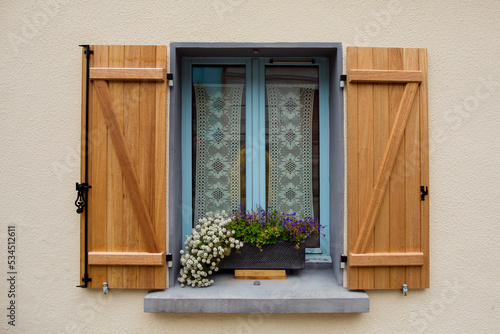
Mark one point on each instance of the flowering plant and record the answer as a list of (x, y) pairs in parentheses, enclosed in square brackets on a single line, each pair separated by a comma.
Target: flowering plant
[(261, 227), (205, 248)]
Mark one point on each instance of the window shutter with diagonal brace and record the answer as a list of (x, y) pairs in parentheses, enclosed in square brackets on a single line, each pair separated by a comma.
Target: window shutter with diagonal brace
[(126, 167), (387, 163)]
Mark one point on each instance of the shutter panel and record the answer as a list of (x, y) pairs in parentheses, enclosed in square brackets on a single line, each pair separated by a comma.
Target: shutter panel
[(387, 162), (126, 167)]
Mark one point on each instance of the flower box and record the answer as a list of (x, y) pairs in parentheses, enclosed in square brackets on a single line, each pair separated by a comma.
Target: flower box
[(281, 255)]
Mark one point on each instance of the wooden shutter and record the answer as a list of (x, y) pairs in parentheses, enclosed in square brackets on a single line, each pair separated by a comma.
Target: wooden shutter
[(387, 163), (126, 167)]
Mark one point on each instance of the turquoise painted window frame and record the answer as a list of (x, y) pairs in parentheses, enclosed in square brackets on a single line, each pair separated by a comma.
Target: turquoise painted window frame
[(255, 151)]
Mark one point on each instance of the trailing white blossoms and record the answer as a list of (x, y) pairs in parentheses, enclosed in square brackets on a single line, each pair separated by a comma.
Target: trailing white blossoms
[(205, 248)]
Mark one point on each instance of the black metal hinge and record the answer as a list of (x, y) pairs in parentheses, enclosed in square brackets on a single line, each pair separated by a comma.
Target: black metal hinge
[(170, 79), (343, 80), (425, 191), (169, 258), (343, 261), (85, 279), (87, 50)]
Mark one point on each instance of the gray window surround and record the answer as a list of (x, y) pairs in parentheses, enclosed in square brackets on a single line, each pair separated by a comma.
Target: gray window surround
[(333, 51)]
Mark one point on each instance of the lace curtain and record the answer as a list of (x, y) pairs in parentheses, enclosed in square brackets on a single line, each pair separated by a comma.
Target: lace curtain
[(290, 147), (218, 119)]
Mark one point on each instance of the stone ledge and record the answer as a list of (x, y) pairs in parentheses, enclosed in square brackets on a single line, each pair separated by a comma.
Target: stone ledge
[(304, 291)]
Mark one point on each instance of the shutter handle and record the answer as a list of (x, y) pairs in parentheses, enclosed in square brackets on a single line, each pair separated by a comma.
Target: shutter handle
[(81, 197)]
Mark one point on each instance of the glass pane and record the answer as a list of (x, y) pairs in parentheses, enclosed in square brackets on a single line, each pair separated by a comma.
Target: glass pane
[(292, 140), (218, 138)]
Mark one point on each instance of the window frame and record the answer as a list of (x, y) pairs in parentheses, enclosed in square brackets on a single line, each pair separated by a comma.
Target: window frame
[(332, 51), (255, 178)]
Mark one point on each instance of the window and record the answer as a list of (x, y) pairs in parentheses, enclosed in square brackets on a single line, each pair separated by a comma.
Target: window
[(255, 59), (255, 133), (387, 153)]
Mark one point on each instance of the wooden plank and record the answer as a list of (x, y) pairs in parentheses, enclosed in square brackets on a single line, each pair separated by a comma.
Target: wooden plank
[(386, 259), (424, 168), (128, 170), (127, 74), (160, 171), (385, 169), (397, 215), (384, 76), (126, 259), (131, 229), (381, 137), (259, 274), (366, 166), (412, 177), (98, 155), (145, 167), (115, 176), (352, 167)]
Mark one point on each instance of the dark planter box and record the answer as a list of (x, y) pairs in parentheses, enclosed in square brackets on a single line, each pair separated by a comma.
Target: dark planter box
[(281, 255)]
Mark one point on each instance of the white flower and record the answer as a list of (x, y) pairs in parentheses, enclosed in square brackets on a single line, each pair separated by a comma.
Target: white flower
[(204, 249)]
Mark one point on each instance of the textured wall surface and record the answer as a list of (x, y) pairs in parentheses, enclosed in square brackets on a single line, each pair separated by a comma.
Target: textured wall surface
[(40, 69)]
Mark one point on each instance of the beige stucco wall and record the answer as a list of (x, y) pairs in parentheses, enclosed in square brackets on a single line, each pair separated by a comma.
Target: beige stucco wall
[(40, 68)]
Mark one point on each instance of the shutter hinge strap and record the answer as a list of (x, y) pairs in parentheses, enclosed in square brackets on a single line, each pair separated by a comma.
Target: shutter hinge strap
[(87, 50), (85, 279), (83, 187)]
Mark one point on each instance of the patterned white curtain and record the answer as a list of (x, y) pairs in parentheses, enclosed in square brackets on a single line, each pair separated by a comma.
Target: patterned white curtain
[(218, 119), (290, 108)]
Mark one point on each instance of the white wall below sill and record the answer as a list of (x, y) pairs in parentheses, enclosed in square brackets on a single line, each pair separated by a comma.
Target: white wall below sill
[(304, 291)]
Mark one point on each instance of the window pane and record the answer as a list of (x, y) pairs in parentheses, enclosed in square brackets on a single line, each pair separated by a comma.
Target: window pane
[(292, 140), (218, 138)]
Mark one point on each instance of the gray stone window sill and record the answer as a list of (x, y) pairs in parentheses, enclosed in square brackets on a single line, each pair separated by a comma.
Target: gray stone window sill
[(304, 291)]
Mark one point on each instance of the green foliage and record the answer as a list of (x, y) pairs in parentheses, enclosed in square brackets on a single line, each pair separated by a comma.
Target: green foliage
[(260, 227)]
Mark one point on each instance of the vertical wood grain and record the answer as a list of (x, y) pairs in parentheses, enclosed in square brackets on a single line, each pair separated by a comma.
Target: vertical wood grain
[(397, 181), (412, 177), (381, 136), (366, 169), (145, 168), (115, 176), (98, 178), (352, 167), (131, 132), (160, 178), (424, 167)]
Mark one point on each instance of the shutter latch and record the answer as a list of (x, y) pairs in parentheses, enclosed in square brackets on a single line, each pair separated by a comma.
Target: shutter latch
[(81, 199), (425, 191)]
